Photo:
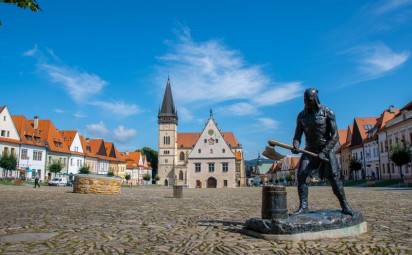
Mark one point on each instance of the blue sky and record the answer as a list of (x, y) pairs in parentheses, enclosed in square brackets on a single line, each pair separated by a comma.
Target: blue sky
[(101, 68)]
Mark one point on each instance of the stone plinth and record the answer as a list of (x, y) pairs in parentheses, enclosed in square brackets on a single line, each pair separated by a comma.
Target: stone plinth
[(312, 225), (96, 184)]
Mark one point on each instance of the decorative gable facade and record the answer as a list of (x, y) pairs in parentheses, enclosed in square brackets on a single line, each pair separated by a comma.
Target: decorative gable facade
[(209, 159), (9, 139)]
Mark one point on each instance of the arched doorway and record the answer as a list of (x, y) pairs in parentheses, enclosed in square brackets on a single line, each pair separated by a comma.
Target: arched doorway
[(166, 183), (211, 182), (181, 175), (198, 184)]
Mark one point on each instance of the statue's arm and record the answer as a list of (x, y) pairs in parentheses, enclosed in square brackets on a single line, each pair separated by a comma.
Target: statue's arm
[(298, 132), (333, 128)]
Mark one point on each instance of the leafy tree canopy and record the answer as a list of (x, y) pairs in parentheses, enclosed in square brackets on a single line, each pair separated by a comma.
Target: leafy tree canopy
[(8, 162), (151, 156), (355, 165), (401, 155), (55, 167), (24, 4)]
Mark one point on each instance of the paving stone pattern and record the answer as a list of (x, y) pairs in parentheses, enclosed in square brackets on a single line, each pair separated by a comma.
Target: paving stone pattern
[(205, 221)]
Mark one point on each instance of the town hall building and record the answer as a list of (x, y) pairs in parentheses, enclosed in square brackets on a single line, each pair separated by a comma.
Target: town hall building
[(207, 159)]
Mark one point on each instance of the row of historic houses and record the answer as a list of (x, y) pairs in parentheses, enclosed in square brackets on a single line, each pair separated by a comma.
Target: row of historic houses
[(36, 144), (367, 144)]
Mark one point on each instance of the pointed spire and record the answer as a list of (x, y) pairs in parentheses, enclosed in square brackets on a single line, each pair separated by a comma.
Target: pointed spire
[(168, 113), (211, 113)]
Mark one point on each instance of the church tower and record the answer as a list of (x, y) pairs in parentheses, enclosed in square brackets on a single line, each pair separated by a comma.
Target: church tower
[(167, 120)]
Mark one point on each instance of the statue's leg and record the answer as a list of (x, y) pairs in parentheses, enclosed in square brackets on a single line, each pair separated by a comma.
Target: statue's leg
[(337, 184), (303, 173)]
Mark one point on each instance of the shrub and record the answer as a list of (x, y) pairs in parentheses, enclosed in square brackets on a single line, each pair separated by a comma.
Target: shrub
[(84, 169), (147, 177), (128, 177), (110, 173)]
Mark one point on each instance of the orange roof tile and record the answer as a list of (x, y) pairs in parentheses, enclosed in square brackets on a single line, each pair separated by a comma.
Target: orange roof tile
[(26, 132), (362, 123), (68, 136), (343, 133), (188, 140)]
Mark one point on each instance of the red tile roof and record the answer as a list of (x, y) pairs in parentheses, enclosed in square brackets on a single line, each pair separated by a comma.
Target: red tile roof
[(343, 133), (362, 123), (188, 140), (27, 133)]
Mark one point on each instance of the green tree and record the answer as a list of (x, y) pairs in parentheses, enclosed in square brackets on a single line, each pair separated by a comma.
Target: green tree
[(401, 155), (152, 157), (8, 162), (355, 165), (147, 177), (85, 169), (128, 177), (110, 173), (55, 167), (24, 4)]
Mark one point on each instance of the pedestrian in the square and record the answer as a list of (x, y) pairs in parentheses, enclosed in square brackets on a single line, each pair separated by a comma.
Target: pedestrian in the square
[(36, 182)]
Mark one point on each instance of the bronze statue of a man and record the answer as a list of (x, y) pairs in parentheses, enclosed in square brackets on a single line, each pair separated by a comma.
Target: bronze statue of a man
[(318, 124)]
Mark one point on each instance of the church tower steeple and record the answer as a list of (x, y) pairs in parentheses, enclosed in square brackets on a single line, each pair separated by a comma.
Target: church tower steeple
[(167, 134), (167, 113)]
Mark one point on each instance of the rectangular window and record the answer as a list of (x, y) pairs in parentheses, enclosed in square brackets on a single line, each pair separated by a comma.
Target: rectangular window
[(3, 133), (211, 167), (37, 155), (197, 167), (8, 133), (383, 168), (225, 167), (6, 150), (24, 154), (12, 151), (71, 162), (224, 183)]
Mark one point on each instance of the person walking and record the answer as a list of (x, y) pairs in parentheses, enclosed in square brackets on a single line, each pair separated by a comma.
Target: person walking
[(36, 182)]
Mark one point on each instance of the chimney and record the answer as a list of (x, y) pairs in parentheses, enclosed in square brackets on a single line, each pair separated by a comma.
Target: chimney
[(36, 122), (391, 109)]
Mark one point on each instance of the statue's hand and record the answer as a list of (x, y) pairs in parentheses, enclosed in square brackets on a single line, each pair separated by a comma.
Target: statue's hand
[(296, 145), (323, 156)]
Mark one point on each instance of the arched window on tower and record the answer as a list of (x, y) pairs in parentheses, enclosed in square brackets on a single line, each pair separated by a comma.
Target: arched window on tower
[(182, 156), (181, 175)]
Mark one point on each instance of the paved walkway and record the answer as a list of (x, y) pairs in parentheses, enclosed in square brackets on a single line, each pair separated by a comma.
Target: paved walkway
[(148, 221)]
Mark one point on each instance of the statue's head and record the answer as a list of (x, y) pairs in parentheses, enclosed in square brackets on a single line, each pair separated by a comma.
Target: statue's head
[(312, 101)]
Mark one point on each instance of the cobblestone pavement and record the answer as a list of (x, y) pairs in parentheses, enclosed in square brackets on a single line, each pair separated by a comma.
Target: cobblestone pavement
[(149, 221)]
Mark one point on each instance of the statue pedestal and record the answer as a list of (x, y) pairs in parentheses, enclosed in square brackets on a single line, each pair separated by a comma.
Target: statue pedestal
[(313, 225)]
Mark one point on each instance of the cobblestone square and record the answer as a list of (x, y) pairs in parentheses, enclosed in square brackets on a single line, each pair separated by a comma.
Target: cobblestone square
[(147, 220)]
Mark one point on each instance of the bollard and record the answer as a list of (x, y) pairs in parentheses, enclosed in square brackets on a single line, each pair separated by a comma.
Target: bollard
[(274, 202), (177, 191)]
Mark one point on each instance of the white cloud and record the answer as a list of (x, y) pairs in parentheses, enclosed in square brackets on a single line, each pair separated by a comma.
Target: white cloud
[(79, 115), (78, 84), (31, 52), (119, 108), (241, 109), (57, 110), (123, 135), (387, 6), (279, 94), (209, 72), (185, 114), (267, 123), (378, 59), (97, 129)]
